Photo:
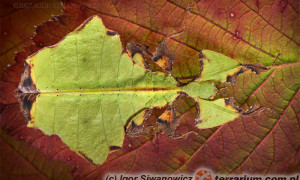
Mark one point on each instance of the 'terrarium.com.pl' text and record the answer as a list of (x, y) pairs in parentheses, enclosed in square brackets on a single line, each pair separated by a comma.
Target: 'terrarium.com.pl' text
[(191, 177)]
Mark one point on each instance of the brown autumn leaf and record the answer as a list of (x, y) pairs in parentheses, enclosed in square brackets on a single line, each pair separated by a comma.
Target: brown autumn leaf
[(18, 159), (18, 21), (265, 142)]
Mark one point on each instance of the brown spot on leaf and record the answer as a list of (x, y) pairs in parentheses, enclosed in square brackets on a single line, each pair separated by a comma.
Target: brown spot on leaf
[(26, 101), (249, 111), (201, 56), (85, 23), (198, 121), (164, 57), (111, 33), (256, 67), (27, 92), (226, 101), (134, 129), (168, 121), (88, 159), (26, 84), (231, 103), (232, 78), (114, 148), (134, 48)]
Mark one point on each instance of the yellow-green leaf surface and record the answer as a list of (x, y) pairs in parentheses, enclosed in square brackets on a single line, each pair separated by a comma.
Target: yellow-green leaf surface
[(87, 88), (215, 66)]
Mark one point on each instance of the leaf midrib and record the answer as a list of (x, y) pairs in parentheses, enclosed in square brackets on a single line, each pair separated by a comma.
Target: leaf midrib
[(110, 91)]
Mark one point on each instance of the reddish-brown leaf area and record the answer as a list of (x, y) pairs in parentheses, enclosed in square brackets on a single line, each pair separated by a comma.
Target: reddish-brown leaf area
[(266, 141), (21, 160), (18, 18)]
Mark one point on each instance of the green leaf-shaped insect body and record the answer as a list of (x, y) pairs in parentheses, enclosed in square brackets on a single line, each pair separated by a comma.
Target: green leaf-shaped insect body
[(86, 88)]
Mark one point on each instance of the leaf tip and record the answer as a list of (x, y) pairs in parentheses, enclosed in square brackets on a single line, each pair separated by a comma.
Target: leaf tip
[(87, 21)]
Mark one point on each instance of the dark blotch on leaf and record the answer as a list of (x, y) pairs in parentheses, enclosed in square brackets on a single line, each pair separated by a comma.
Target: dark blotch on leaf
[(27, 92), (86, 121), (238, 109), (231, 102), (134, 129), (240, 71), (133, 124), (111, 33), (228, 79), (137, 48), (157, 58), (201, 56), (26, 102), (161, 121), (91, 161), (114, 147), (201, 63), (250, 110), (164, 56), (232, 79), (85, 23), (168, 121), (28, 82), (198, 122), (26, 85), (226, 101), (257, 67)]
